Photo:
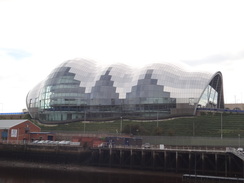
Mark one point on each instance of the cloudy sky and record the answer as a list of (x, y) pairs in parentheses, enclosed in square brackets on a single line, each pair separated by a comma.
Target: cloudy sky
[(38, 35)]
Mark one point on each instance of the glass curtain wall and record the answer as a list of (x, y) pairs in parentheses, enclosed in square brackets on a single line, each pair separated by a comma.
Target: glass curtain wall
[(79, 90)]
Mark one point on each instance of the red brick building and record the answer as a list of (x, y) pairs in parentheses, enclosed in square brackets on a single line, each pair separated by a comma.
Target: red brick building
[(16, 131)]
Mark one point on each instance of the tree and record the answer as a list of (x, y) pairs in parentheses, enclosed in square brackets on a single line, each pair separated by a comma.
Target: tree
[(158, 131)]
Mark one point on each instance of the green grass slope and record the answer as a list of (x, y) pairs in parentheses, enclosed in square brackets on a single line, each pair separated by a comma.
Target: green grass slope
[(207, 124)]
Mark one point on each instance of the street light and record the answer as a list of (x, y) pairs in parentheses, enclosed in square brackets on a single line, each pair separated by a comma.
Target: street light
[(221, 125), (239, 141), (84, 121), (121, 123), (157, 119), (84, 127)]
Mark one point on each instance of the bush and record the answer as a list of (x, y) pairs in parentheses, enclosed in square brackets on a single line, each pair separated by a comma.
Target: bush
[(158, 131)]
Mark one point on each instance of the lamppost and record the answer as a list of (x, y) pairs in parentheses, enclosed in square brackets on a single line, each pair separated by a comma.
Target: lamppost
[(85, 121), (239, 140), (121, 124), (191, 104), (221, 125), (157, 119), (84, 127)]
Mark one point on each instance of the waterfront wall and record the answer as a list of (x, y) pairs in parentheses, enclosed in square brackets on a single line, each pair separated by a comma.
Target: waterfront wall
[(192, 161), (54, 154)]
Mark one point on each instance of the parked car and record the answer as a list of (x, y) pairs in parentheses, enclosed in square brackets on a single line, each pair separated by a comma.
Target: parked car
[(146, 146), (55, 142), (64, 142), (103, 144), (40, 142), (46, 142), (240, 149)]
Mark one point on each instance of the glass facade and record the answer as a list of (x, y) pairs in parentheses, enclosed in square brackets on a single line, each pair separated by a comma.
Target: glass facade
[(79, 90)]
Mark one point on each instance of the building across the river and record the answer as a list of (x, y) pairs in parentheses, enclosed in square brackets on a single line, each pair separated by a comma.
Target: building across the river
[(235, 106), (80, 90), (17, 130), (22, 130)]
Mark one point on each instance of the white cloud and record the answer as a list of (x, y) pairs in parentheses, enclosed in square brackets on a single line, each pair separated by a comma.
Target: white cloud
[(133, 32)]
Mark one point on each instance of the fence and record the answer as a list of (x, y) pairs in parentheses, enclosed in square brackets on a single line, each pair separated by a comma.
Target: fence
[(194, 141)]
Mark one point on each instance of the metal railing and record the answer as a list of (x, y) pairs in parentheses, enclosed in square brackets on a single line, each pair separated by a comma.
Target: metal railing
[(235, 152)]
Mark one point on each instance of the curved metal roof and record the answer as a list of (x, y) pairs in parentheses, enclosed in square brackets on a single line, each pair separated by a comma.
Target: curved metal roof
[(86, 82)]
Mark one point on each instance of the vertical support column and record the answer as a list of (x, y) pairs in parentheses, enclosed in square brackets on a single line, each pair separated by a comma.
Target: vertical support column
[(120, 158), (110, 157), (225, 165), (216, 163), (92, 156), (99, 157), (131, 158), (165, 160), (203, 162), (154, 159), (230, 165), (189, 162), (176, 161), (195, 163), (142, 159), (242, 168)]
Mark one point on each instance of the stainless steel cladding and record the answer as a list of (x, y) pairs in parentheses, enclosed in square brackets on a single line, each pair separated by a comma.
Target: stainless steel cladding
[(79, 90)]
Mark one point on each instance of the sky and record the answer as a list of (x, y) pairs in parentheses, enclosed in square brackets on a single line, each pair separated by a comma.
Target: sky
[(38, 35)]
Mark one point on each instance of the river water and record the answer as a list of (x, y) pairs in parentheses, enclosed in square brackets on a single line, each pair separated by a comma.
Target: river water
[(88, 175)]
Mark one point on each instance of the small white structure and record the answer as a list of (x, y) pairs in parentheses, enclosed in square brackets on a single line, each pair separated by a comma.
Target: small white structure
[(161, 146)]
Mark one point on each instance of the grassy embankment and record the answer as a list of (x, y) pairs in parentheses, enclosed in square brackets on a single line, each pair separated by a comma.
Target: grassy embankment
[(207, 125)]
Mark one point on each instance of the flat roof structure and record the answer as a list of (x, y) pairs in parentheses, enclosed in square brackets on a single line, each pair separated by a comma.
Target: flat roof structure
[(9, 123)]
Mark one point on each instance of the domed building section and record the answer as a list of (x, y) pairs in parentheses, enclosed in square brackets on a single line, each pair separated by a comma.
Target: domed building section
[(79, 90), (212, 96), (103, 97), (148, 99), (63, 95)]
